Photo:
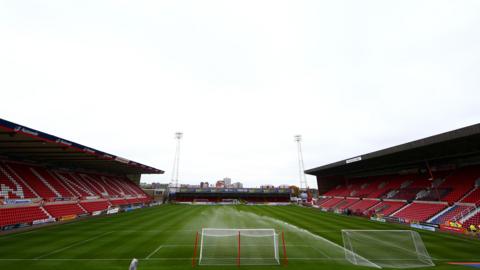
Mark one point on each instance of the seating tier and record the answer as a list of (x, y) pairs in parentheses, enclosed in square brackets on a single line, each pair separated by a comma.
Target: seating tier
[(17, 215), (95, 206), (453, 213), (60, 210), (420, 211)]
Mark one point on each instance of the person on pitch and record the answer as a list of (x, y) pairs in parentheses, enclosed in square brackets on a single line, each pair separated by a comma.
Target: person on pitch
[(133, 264)]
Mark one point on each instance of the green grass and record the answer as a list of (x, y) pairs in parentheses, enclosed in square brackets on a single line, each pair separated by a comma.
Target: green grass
[(163, 237)]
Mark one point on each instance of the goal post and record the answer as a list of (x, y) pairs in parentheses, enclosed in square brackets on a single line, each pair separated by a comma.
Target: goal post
[(238, 247), (386, 248)]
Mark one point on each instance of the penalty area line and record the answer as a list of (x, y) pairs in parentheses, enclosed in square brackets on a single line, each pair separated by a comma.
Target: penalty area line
[(153, 252)]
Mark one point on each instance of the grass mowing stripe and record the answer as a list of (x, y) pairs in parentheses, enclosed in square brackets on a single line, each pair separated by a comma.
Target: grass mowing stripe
[(310, 220), (330, 243), (73, 245), (95, 227), (315, 217), (59, 227), (172, 222), (362, 223), (141, 242), (140, 232)]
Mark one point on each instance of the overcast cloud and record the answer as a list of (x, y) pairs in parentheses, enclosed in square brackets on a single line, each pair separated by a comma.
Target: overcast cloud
[(240, 78)]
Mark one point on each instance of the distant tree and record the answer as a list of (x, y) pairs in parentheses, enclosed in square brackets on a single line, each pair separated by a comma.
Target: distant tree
[(295, 190)]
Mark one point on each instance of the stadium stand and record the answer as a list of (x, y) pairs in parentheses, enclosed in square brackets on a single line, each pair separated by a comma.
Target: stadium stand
[(56, 185), (460, 182), (388, 207), (417, 211), (43, 176), (58, 210), (473, 197), (340, 190), (385, 184), (118, 202), (50, 184), (15, 215), (331, 203), (75, 185), (13, 189), (218, 195), (346, 204), (454, 213), (366, 187), (397, 191), (133, 200), (363, 205), (92, 206), (474, 219), (321, 200), (433, 180), (40, 186)]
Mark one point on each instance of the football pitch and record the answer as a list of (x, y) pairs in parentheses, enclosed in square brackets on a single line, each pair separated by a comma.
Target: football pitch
[(163, 237)]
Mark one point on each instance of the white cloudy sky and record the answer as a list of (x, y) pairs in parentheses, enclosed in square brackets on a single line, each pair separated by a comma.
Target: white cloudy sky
[(240, 78)]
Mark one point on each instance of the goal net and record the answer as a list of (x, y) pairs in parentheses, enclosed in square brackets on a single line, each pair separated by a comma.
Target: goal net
[(386, 248), (238, 247)]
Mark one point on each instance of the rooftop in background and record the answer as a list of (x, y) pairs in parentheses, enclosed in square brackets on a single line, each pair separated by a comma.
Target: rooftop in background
[(231, 190), (460, 146), (26, 144)]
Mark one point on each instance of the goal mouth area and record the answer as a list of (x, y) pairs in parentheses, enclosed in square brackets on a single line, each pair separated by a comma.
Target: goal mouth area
[(228, 246), (386, 248)]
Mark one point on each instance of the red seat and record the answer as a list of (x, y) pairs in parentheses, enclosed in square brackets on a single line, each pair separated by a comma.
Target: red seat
[(346, 203), (17, 215), (95, 206), (473, 197), (420, 211), (363, 205), (475, 220), (60, 210), (387, 207), (460, 183), (455, 213), (331, 203), (33, 181), (56, 184), (7, 179)]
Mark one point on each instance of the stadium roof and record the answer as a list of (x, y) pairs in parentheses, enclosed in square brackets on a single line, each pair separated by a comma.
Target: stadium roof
[(27, 144), (460, 145)]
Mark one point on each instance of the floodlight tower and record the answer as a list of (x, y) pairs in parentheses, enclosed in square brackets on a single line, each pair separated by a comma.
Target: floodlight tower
[(176, 161), (301, 167)]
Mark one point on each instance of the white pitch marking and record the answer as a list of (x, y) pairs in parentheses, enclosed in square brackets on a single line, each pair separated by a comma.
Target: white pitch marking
[(153, 252), (166, 259), (190, 245), (73, 245)]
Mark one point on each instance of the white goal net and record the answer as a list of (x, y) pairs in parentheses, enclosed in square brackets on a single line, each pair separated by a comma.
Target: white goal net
[(238, 247), (386, 248)]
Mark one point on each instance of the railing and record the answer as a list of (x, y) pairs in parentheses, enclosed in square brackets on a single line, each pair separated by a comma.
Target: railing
[(462, 214)]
